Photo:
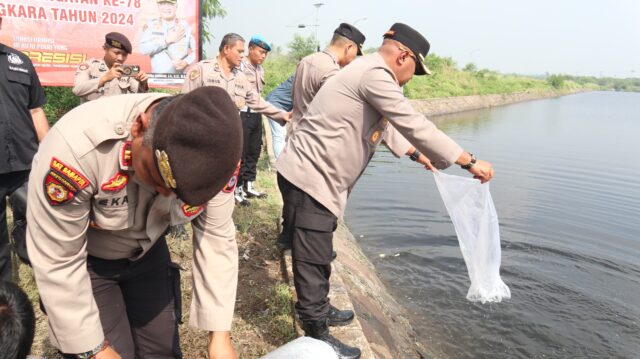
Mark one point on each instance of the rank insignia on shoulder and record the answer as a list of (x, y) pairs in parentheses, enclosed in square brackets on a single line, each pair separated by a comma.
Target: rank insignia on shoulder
[(62, 182), (190, 211), (375, 136), (125, 156), (116, 183), (194, 74)]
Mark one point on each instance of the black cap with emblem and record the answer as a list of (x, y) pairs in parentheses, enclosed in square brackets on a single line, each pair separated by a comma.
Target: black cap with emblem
[(197, 143), (412, 39), (351, 33), (117, 40)]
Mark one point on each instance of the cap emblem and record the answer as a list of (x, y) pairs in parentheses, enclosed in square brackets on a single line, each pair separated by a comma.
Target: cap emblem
[(162, 160)]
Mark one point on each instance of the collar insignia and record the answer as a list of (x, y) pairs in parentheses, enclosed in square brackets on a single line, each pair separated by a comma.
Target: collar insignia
[(125, 156)]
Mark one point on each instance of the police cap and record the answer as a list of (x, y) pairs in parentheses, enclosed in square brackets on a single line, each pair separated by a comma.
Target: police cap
[(117, 40), (197, 143), (260, 41), (412, 39), (351, 33), (169, 1)]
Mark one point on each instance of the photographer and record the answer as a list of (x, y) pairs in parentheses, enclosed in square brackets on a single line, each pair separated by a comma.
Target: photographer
[(107, 77)]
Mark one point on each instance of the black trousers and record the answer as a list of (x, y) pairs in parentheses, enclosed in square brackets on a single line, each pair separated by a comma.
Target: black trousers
[(9, 183), (309, 226), (252, 130), (139, 303)]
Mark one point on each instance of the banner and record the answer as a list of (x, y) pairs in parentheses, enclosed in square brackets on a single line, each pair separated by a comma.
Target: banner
[(59, 35)]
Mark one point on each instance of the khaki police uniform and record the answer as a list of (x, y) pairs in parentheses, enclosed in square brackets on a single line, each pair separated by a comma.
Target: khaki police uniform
[(87, 80), (326, 154), (311, 73), (86, 206), (153, 43), (209, 73)]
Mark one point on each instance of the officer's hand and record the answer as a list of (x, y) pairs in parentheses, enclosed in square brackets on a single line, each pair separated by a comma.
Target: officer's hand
[(142, 77), (482, 170), (288, 116), (115, 72), (108, 353), (220, 346), (424, 160), (174, 35)]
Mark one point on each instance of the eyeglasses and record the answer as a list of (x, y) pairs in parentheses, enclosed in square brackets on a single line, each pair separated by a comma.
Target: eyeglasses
[(420, 60)]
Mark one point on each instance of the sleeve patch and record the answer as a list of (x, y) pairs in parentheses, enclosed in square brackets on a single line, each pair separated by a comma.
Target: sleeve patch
[(231, 185), (62, 182), (194, 74)]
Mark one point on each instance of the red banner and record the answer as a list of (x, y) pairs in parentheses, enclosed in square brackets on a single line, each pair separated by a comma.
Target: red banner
[(58, 35)]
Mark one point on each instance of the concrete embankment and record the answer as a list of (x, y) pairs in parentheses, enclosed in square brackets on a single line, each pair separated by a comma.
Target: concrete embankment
[(447, 105)]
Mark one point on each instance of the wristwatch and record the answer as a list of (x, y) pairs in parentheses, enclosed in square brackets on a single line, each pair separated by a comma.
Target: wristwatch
[(93, 352), (470, 164), (415, 155)]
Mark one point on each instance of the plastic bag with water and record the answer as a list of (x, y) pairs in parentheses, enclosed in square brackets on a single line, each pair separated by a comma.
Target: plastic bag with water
[(474, 217)]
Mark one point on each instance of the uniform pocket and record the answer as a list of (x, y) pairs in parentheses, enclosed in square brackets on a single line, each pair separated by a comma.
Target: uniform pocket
[(313, 236), (19, 77), (113, 212)]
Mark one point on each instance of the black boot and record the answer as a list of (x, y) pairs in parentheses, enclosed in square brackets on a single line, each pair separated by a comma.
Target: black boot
[(319, 329), (339, 317)]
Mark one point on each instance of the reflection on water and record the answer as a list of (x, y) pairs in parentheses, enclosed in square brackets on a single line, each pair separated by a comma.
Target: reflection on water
[(568, 198)]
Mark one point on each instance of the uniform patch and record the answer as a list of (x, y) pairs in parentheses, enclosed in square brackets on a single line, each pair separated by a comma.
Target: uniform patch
[(231, 185), (14, 59), (191, 211), (103, 67), (116, 183), (83, 67), (62, 182), (375, 136), (194, 74)]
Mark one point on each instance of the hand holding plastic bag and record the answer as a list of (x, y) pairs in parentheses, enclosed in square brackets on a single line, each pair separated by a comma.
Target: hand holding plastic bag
[(474, 217)]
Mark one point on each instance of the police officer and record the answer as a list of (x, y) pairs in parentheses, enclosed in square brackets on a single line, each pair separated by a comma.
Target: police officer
[(168, 40), (314, 70), (330, 148), (22, 125), (251, 121), (96, 78), (107, 181), (224, 71)]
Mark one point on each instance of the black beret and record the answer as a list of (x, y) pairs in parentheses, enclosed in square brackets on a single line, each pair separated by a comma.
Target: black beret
[(351, 33), (119, 41), (197, 142), (414, 41)]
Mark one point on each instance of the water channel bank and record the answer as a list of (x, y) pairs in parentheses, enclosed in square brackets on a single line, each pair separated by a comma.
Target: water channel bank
[(381, 322)]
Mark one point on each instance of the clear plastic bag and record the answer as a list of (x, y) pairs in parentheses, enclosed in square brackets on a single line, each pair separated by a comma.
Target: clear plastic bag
[(474, 217)]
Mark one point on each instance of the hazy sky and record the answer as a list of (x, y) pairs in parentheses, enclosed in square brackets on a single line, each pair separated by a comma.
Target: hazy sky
[(580, 37)]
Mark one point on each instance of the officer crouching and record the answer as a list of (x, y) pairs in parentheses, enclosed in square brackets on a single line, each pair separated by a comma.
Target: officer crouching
[(106, 182)]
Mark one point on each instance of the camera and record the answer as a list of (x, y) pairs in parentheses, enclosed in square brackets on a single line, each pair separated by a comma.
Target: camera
[(130, 70)]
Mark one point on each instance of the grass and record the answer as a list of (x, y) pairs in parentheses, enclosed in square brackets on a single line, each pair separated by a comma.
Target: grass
[(263, 318)]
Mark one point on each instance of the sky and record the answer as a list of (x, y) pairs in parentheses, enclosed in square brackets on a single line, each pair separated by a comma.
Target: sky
[(585, 38)]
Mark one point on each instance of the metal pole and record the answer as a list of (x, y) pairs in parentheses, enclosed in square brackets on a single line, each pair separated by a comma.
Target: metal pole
[(317, 5)]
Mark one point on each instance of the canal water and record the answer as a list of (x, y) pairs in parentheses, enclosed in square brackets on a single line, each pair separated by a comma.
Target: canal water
[(567, 193)]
